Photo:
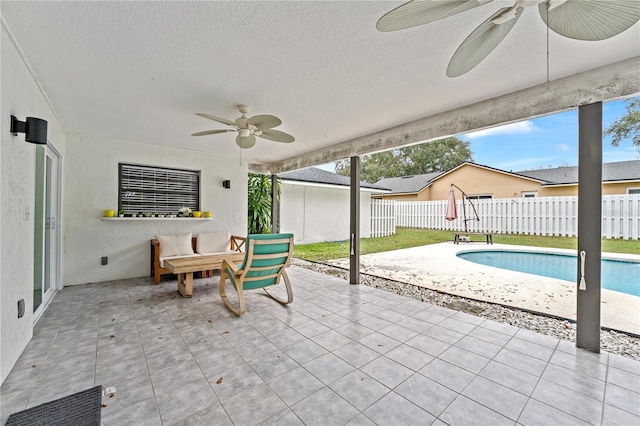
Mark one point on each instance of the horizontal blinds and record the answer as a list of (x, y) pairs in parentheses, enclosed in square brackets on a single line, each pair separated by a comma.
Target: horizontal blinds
[(158, 190)]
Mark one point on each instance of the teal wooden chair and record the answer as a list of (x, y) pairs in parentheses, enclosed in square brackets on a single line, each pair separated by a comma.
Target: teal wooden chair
[(265, 260)]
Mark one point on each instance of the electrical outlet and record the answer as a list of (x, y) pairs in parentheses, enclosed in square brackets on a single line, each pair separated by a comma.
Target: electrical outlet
[(20, 308), (105, 260)]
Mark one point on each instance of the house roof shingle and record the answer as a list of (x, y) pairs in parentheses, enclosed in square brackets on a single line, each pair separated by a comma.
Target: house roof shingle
[(408, 184), (316, 175), (611, 172)]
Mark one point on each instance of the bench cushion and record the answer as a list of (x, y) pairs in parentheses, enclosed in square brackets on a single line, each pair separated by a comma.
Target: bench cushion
[(162, 259), (174, 245), (219, 252), (213, 242)]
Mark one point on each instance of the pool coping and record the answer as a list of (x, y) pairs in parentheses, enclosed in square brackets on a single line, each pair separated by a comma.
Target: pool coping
[(437, 267)]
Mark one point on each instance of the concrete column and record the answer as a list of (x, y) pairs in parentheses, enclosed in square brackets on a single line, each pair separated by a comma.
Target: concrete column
[(354, 235), (275, 206), (589, 224)]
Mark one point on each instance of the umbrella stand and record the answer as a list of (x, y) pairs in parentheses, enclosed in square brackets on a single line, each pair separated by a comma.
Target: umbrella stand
[(466, 198)]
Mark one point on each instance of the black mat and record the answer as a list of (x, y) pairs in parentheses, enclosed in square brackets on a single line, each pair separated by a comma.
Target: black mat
[(80, 409)]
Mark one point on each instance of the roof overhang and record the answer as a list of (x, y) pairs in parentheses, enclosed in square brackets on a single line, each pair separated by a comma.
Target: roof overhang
[(610, 82), (329, 186)]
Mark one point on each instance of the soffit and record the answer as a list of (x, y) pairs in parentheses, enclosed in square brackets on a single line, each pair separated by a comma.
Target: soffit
[(140, 70)]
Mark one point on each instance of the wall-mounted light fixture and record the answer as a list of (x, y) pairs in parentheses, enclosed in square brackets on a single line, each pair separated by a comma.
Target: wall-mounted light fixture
[(35, 129), (226, 184)]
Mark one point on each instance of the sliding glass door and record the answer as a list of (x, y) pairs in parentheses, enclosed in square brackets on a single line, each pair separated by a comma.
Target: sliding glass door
[(46, 236)]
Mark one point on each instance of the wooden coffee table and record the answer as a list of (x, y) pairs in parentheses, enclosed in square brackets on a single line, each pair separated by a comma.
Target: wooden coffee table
[(185, 268)]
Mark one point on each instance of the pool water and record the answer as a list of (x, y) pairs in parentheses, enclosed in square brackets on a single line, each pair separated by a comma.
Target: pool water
[(616, 275)]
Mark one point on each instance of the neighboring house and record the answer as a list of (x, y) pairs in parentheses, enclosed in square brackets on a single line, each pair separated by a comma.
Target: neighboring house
[(314, 205), (479, 181)]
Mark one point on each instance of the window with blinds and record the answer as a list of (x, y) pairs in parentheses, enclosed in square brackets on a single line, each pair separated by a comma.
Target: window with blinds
[(157, 189)]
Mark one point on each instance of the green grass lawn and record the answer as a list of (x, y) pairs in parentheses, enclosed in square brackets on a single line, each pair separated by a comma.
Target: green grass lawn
[(408, 237)]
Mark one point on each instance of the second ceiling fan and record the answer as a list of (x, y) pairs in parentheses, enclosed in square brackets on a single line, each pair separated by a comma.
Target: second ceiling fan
[(589, 20), (248, 128)]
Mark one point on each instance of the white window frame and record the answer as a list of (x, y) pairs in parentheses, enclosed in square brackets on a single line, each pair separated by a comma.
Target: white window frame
[(635, 189), (153, 189), (480, 196), (529, 194)]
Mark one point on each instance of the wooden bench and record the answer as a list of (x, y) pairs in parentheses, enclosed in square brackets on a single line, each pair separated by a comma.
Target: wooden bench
[(236, 244), (457, 239), (185, 267)]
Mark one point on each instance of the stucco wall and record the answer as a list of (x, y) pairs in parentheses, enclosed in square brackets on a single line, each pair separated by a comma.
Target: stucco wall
[(315, 214), (92, 186), (477, 180), (21, 97)]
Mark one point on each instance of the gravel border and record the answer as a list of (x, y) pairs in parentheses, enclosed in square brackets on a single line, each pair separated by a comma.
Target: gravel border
[(610, 341)]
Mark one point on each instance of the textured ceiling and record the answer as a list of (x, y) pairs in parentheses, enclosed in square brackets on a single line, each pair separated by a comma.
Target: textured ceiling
[(141, 70)]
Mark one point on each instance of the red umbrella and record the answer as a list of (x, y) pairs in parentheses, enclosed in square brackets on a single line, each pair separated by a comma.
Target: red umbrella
[(452, 210)]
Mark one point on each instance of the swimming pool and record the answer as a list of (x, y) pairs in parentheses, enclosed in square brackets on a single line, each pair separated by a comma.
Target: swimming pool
[(617, 275)]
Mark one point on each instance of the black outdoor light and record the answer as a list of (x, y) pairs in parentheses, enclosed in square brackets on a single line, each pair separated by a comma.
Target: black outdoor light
[(35, 129), (226, 184)]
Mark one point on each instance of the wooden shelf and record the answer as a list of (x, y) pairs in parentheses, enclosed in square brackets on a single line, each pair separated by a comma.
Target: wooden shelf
[(194, 219)]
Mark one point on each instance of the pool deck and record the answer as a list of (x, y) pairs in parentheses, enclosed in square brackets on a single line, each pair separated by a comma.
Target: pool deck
[(437, 267)]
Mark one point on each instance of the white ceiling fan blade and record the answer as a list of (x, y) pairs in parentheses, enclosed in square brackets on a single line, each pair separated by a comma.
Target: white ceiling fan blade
[(264, 121), (590, 20), (481, 42), (276, 136), (419, 12), (218, 119), (211, 132), (246, 142)]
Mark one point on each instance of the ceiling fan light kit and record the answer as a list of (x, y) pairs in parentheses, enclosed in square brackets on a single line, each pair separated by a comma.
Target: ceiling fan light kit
[(587, 20), (248, 128)]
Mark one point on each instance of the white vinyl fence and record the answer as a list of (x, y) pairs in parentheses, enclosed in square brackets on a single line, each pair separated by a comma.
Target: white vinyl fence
[(383, 218), (532, 216)]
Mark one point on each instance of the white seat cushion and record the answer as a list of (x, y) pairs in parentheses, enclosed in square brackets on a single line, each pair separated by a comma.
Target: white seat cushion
[(174, 245), (162, 259), (218, 252), (213, 242)]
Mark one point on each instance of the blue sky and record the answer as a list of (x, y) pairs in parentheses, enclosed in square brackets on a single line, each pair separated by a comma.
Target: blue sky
[(542, 142)]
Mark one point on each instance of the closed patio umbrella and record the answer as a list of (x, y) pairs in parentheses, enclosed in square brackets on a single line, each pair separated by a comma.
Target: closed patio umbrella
[(452, 210)]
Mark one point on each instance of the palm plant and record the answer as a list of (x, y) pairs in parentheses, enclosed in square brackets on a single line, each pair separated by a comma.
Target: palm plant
[(259, 203)]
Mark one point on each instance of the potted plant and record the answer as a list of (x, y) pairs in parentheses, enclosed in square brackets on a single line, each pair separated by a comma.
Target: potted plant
[(185, 211), (121, 213)]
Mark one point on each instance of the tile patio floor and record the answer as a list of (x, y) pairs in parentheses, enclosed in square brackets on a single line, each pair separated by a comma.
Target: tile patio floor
[(340, 354)]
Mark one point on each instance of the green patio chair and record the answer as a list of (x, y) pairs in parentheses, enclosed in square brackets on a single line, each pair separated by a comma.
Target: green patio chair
[(265, 259)]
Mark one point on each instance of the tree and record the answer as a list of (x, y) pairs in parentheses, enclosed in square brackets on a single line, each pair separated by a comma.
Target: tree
[(259, 203), (627, 126), (436, 156)]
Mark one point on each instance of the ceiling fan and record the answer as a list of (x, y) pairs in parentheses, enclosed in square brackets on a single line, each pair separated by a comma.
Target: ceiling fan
[(248, 128), (589, 20)]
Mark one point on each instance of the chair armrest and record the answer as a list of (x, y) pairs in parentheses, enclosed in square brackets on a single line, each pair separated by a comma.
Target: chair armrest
[(231, 266), (237, 242)]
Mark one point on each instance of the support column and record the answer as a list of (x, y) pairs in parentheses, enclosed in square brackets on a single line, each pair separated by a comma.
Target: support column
[(275, 206), (354, 235), (589, 225)]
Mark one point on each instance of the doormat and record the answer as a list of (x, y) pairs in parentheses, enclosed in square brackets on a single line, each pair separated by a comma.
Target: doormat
[(80, 409)]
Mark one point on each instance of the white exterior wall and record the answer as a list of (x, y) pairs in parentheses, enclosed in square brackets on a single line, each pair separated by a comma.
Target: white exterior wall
[(21, 96), (89, 185), (92, 187), (317, 213)]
